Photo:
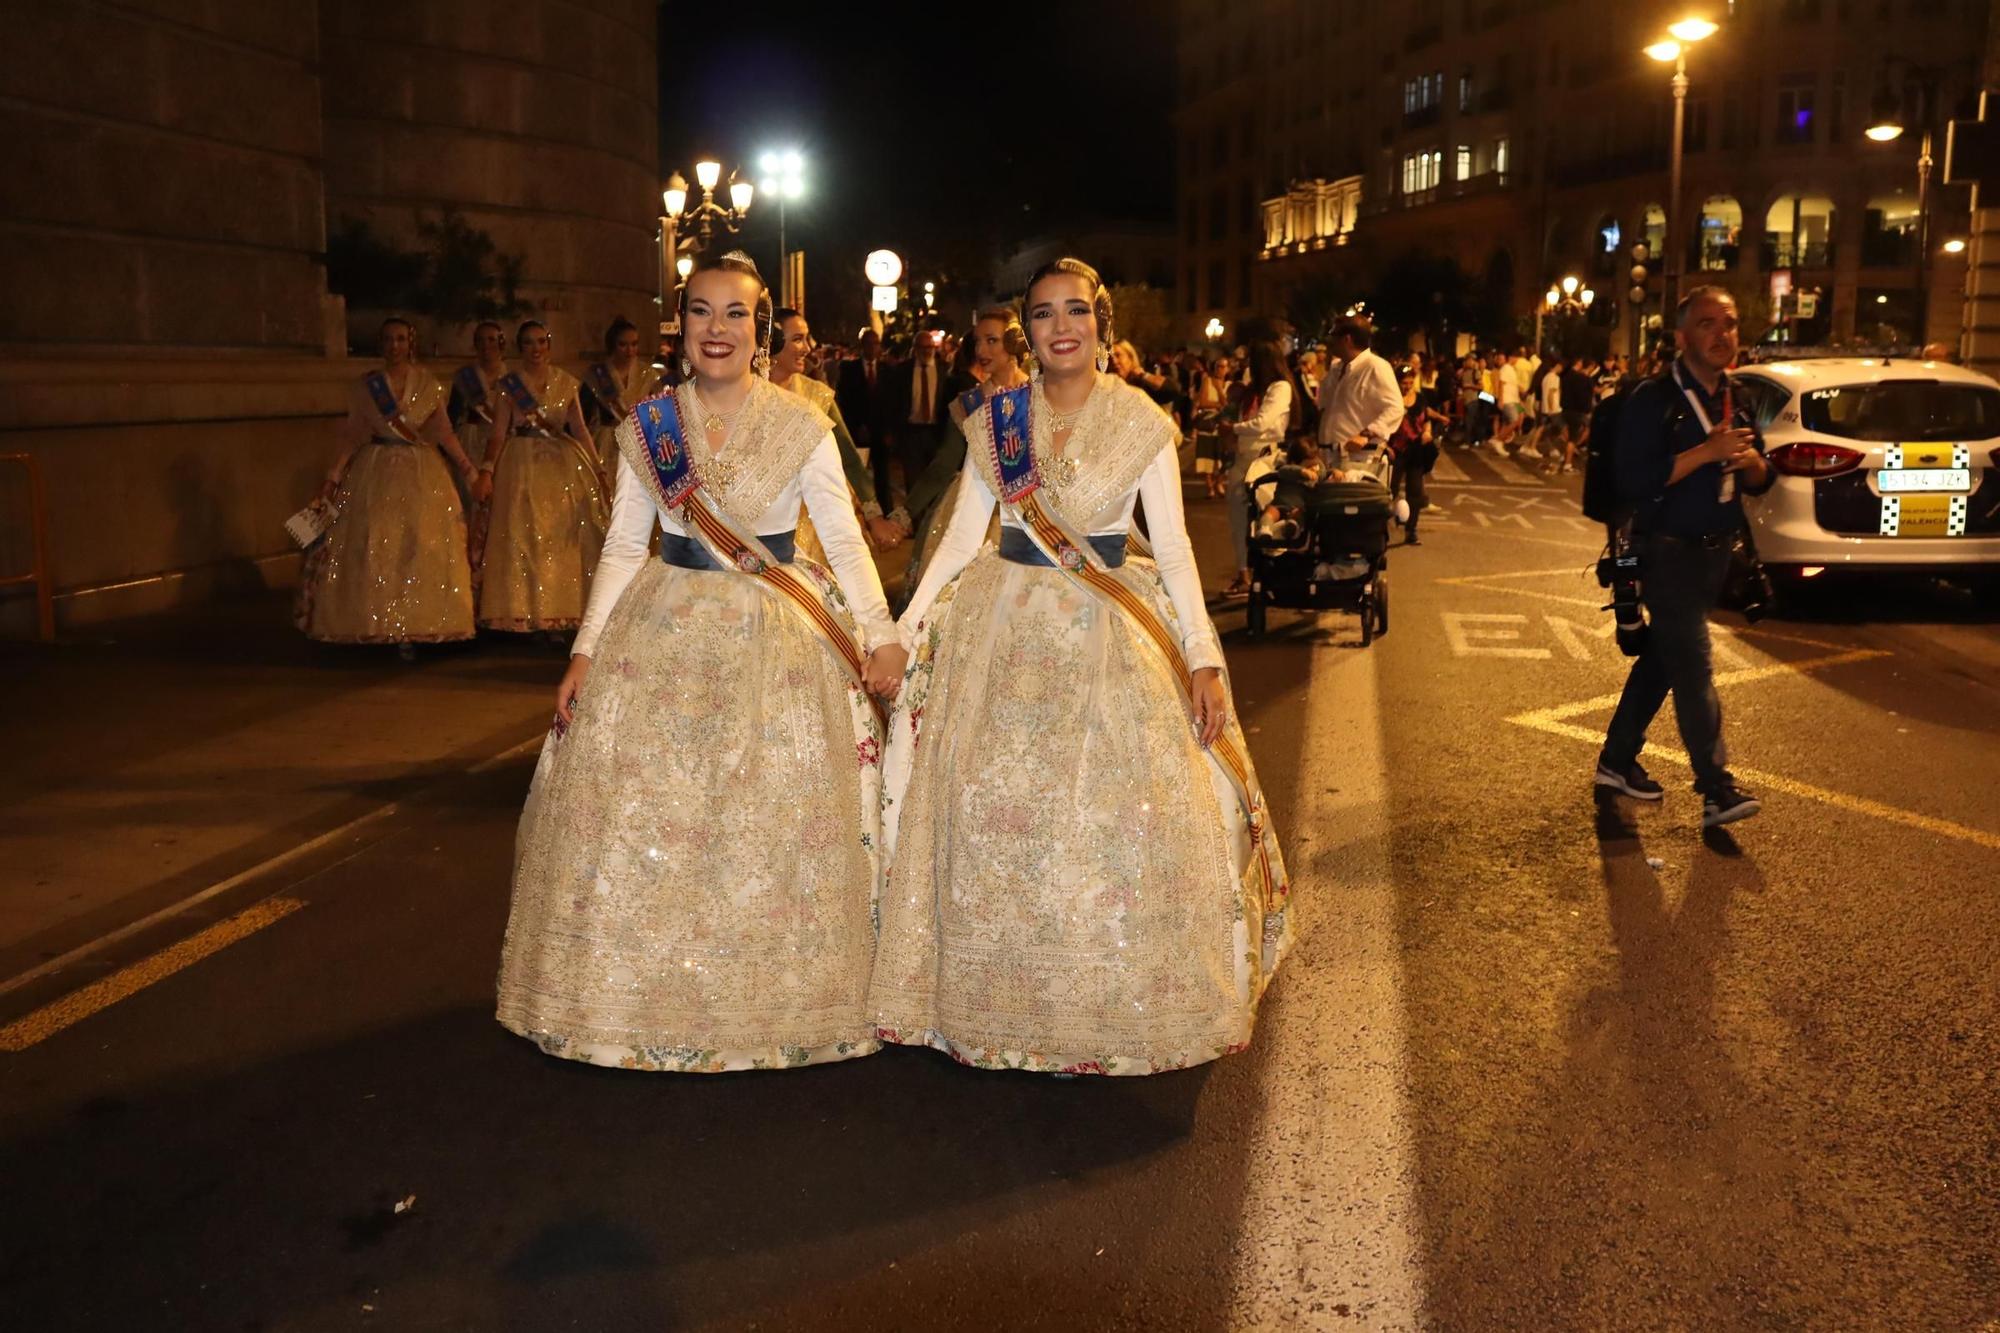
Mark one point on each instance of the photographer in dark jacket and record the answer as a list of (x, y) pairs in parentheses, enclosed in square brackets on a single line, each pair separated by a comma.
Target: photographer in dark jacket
[(1685, 450)]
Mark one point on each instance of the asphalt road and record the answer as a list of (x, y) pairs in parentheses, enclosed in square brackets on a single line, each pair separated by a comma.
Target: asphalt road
[(1538, 1062)]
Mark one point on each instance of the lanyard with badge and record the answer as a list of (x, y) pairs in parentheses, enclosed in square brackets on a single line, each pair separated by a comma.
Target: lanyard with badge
[(1728, 489)]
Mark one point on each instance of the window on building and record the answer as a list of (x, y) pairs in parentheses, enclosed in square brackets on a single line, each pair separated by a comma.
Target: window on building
[(1215, 294), (1465, 91), (1422, 171), (1462, 162), (1795, 108), (1218, 213), (1500, 155)]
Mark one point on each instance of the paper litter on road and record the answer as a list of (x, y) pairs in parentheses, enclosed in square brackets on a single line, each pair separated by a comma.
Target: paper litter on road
[(1656, 862), (406, 1204)]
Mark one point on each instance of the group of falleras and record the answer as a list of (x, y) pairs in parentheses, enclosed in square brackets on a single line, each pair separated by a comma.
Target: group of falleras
[(773, 826)]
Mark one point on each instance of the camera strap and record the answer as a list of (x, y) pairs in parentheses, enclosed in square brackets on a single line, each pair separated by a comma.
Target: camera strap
[(1727, 491)]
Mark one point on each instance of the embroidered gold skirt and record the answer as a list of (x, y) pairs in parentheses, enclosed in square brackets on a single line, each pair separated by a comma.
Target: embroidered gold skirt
[(543, 531), (392, 568), (695, 870), (1071, 887)]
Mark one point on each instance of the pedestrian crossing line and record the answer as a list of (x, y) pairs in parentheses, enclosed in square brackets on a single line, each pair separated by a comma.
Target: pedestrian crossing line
[(1481, 582), (123, 984), (1555, 722), (1447, 472), (1511, 472)]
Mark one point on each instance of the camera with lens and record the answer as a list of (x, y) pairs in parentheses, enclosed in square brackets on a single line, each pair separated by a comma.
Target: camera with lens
[(1618, 570), (1753, 594)]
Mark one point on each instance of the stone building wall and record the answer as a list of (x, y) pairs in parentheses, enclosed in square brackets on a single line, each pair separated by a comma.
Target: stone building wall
[(169, 355), (539, 122)]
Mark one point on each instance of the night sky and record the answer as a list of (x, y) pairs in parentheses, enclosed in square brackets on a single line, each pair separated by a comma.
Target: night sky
[(944, 132)]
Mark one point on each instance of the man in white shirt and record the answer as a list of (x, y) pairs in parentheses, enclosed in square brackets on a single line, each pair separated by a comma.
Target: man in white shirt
[(1360, 405)]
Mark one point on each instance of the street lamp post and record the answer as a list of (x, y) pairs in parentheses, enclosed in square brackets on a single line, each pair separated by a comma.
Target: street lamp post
[(1567, 298), (784, 179), (1888, 127), (1685, 33), (703, 219)]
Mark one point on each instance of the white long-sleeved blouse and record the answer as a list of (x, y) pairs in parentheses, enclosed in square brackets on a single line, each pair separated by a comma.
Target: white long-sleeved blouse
[(819, 483), (1159, 487), (1264, 431)]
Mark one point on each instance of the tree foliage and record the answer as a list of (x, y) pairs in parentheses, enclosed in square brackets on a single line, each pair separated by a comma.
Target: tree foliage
[(1139, 315), (456, 275)]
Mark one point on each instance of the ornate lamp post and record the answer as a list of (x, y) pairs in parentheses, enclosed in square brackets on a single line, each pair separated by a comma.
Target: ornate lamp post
[(703, 220)]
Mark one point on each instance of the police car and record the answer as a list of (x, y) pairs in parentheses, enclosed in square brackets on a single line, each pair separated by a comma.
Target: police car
[(1882, 464)]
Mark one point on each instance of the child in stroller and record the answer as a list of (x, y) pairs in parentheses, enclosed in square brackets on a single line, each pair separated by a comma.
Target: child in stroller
[(1318, 539)]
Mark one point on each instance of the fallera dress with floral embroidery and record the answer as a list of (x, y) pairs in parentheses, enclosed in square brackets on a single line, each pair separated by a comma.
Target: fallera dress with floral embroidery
[(1072, 884), (696, 868)]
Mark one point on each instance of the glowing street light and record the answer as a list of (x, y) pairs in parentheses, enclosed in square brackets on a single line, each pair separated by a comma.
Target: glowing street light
[(1686, 32), (703, 218), (1213, 330), (784, 180), (1954, 246)]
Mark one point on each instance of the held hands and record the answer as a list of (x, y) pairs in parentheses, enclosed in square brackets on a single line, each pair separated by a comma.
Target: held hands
[(883, 533), (566, 692), (882, 674), (1211, 709), (482, 487)]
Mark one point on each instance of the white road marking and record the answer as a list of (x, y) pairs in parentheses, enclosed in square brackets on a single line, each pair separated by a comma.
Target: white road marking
[(1329, 1212), (1446, 471)]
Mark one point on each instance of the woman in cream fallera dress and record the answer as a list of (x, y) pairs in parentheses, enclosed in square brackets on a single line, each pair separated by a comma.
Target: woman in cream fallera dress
[(1075, 885), (392, 567), (544, 497), (696, 868), (612, 384)]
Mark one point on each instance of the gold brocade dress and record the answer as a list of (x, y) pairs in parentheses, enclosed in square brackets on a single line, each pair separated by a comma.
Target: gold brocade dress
[(545, 522), (635, 383), (392, 568), (696, 869), (1072, 886)]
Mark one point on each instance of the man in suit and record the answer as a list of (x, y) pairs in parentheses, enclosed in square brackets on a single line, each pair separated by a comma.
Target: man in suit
[(863, 394), (918, 410)]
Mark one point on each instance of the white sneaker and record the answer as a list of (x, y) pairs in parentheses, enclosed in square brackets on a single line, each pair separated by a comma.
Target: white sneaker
[(1529, 451)]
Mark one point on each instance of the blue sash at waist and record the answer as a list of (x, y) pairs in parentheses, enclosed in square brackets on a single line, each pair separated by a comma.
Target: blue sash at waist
[(688, 553), (1017, 547)]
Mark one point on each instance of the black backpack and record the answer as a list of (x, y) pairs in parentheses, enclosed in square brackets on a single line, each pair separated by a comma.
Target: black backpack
[(1601, 501)]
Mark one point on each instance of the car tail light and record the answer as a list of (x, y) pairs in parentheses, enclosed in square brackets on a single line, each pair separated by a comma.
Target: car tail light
[(1807, 459)]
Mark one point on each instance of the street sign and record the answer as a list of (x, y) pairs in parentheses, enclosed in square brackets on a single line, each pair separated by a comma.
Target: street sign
[(883, 268), (1972, 152), (885, 299)]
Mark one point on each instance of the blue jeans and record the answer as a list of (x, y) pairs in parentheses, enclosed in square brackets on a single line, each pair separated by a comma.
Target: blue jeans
[(1680, 581)]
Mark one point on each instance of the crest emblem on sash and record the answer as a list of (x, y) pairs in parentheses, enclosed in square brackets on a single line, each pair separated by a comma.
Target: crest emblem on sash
[(663, 440), (1011, 445)]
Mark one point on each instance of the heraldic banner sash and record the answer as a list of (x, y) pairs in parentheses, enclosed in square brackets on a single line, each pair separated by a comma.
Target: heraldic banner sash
[(391, 411), (473, 390), (729, 543), (1069, 550), (523, 398)]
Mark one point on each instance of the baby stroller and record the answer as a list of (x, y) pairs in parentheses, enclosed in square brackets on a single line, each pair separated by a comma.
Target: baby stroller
[(1327, 550)]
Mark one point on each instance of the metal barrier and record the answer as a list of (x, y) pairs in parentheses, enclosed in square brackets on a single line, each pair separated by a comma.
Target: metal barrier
[(38, 571)]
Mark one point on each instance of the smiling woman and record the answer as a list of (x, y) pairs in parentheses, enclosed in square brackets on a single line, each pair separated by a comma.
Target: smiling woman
[(697, 861), (1083, 876)]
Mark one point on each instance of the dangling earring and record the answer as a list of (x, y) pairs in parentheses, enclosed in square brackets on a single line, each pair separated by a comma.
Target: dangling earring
[(687, 368), (1103, 358), (761, 363)]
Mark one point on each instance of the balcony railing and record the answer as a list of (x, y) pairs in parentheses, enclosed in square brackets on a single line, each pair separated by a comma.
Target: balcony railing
[(1780, 252), (1422, 118)]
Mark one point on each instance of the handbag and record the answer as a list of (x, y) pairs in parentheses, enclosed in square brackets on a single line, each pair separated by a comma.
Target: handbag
[(310, 524)]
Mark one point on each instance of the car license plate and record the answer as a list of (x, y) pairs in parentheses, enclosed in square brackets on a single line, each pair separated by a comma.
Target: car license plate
[(1894, 481), (1923, 515)]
